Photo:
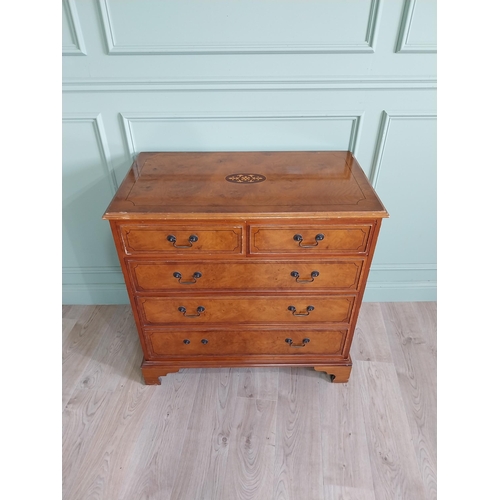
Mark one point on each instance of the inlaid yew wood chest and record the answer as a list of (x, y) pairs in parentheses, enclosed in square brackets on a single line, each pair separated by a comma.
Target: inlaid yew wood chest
[(245, 259)]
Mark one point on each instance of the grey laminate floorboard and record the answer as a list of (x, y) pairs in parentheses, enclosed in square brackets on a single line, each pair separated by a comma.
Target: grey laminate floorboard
[(260, 434), (414, 353), (80, 343), (211, 427), (298, 470), (252, 449), (154, 461), (394, 466), (346, 467)]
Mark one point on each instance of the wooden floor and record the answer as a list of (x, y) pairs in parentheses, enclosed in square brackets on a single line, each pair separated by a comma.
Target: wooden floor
[(261, 434)]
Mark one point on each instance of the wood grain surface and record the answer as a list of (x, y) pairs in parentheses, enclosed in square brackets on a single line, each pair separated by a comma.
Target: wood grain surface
[(245, 309), (168, 184), (250, 433), (342, 239), (261, 276), (315, 211)]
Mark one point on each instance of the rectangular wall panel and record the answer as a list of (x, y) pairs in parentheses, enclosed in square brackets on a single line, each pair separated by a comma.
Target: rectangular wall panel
[(246, 26), (404, 175), (418, 32), (72, 36), (240, 132), (87, 186)]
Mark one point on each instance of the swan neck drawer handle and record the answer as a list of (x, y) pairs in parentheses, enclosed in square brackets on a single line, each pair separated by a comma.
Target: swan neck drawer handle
[(295, 313), (178, 277), (291, 344), (298, 237), (173, 239), (296, 275), (199, 310)]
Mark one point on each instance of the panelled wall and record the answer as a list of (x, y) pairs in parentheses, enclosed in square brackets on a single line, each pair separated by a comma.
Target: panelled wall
[(248, 75)]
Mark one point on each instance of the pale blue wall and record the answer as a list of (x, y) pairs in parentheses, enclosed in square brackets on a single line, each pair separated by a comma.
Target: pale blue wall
[(183, 75)]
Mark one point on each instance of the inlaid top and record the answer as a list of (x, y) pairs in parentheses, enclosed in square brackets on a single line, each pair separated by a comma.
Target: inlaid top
[(245, 184)]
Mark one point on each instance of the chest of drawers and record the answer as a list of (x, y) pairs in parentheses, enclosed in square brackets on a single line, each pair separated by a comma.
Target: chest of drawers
[(245, 259)]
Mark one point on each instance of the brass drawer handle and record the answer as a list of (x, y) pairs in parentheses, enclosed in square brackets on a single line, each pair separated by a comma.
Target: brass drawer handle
[(319, 237), (296, 275), (192, 239), (178, 276), (309, 309), (291, 344), (199, 310)]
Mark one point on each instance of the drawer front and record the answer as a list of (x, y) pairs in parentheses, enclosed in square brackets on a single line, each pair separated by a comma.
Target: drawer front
[(262, 309), (182, 240), (299, 275), (294, 342), (306, 240)]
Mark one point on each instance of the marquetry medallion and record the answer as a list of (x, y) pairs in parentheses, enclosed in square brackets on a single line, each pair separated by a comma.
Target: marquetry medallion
[(245, 178)]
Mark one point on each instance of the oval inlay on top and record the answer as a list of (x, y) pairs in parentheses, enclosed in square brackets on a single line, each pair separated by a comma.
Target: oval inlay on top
[(245, 178)]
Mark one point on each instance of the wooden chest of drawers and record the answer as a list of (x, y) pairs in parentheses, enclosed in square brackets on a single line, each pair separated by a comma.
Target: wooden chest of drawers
[(245, 259)]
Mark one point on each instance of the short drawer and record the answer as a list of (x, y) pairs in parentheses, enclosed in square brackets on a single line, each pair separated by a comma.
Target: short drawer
[(181, 240), (293, 342), (245, 309), (246, 275), (307, 240)]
